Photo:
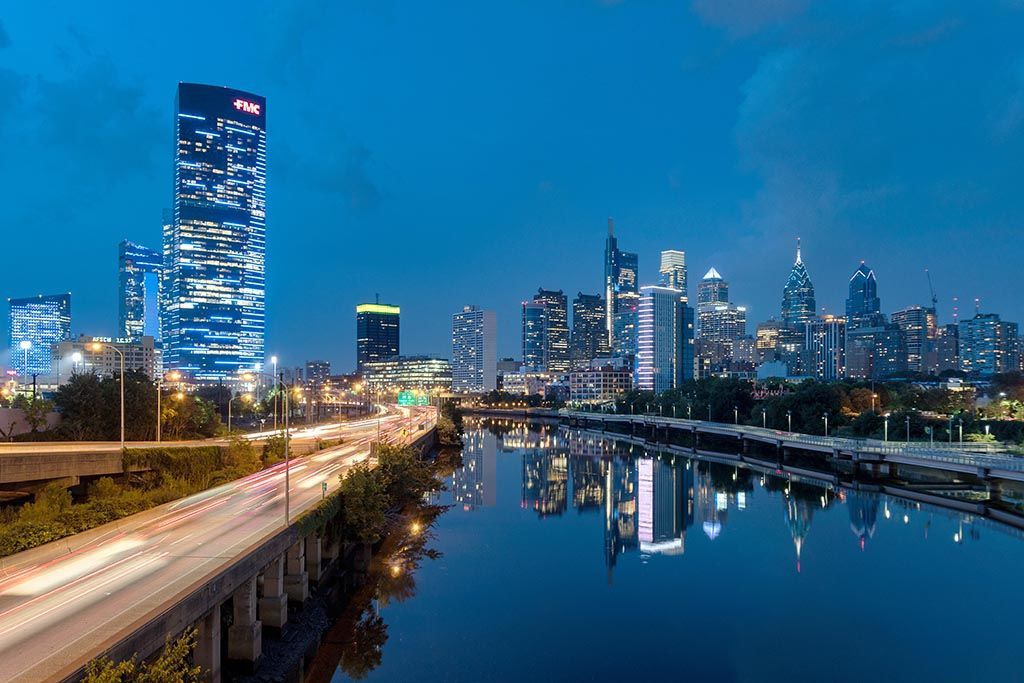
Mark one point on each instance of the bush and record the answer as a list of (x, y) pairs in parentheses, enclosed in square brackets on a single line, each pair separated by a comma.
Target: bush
[(273, 450)]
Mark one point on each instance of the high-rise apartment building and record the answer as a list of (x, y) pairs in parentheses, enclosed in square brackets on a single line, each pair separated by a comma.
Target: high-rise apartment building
[(377, 333), (37, 324), (825, 346), (474, 350), (215, 245), (673, 270), (621, 295), (988, 345), (920, 329), (664, 356), (318, 372), (589, 337), (139, 271), (875, 352), (863, 307), (557, 321)]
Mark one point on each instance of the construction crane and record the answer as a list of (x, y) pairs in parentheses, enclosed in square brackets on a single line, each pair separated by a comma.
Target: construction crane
[(935, 299)]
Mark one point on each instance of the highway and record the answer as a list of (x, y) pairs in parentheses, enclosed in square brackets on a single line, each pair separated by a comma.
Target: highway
[(63, 603)]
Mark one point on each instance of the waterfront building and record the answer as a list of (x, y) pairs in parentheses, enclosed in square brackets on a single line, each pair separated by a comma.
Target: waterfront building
[(600, 382), (377, 333), (589, 336), (798, 304), (474, 350), (673, 270), (988, 345), (665, 505), (621, 294), (875, 352), (556, 319), (408, 373), (665, 339), (214, 247), (863, 307), (81, 355), (139, 272), (36, 324), (527, 382), (825, 346), (535, 336), (920, 329)]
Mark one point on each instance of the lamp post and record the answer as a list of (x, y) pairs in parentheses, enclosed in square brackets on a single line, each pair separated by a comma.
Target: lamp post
[(764, 418), (25, 345), (174, 376), (886, 427), (961, 432), (735, 415), (287, 458), (273, 361), (98, 346), (908, 429), (789, 420), (825, 418)]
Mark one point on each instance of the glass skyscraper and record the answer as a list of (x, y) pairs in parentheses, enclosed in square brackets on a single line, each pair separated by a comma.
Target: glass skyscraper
[(673, 270), (377, 333), (138, 288), (798, 305), (37, 324), (621, 295), (863, 308), (215, 243), (535, 336), (589, 335), (664, 356), (474, 350), (557, 320)]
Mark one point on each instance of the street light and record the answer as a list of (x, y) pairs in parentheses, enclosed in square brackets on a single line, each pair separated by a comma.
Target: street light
[(789, 420), (825, 418), (764, 418), (735, 415), (273, 361), (908, 429), (886, 437), (96, 347), (25, 345), (173, 376)]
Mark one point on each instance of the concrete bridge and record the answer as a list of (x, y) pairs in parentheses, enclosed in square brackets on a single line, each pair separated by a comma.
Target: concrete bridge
[(125, 588), (947, 458)]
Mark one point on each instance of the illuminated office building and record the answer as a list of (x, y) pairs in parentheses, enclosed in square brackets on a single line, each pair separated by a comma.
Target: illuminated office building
[(621, 296), (71, 357), (215, 244), (798, 304), (863, 307), (37, 324), (535, 336), (988, 345), (664, 356), (589, 336), (557, 321), (921, 332), (377, 333), (139, 271), (401, 373), (720, 323), (317, 372), (474, 350), (673, 270), (825, 345)]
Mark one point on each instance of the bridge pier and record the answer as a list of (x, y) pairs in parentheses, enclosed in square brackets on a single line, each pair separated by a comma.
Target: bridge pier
[(245, 636), (274, 603), (207, 652), (296, 580), (314, 558)]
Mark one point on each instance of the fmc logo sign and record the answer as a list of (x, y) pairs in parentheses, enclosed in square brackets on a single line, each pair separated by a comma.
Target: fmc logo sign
[(247, 106)]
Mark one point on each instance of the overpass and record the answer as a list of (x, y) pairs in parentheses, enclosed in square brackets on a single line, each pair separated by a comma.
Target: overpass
[(25, 466), (126, 587), (986, 464)]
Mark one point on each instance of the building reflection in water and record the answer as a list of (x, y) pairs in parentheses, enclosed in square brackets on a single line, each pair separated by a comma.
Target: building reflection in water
[(648, 499)]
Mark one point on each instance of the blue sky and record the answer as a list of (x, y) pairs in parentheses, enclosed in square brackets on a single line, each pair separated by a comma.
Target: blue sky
[(464, 152)]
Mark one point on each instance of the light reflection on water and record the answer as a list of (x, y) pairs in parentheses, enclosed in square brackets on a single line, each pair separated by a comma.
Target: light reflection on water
[(573, 557)]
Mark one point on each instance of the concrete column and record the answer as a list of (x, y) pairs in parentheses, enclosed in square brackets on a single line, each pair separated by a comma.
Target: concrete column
[(314, 557), (274, 603), (296, 579), (245, 636), (207, 653)]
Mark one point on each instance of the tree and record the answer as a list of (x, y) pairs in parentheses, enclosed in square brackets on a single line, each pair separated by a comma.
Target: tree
[(365, 502), (241, 457), (173, 665)]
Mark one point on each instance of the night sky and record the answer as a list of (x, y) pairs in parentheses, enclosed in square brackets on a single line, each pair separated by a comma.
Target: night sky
[(448, 153)]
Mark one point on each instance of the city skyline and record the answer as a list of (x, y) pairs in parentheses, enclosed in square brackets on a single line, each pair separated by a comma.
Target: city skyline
[(710, 193)]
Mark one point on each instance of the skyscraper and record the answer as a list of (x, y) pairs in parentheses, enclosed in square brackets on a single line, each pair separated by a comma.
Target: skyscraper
[(621, 295), (474, 350), (798, 305), (664, 356), (720, 323), (919, 326), (825, 345), (875, 352), (673, 270), (214, 246), (557, 320), (863, 308), (589, 335), (377, 333), (535, 336), (37, 324), (988, 345), (138, 287), (317, 373)]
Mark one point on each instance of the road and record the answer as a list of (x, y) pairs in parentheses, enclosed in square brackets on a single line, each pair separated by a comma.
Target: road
[(63, 603)]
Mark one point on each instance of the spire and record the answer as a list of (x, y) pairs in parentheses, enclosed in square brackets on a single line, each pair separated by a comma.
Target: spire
[(712, 275), (798, 259), (611, 226)]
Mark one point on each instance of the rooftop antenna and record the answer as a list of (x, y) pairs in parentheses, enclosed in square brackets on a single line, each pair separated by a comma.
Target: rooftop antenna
[(956, 309), (376, 297), (611, 226), (977, 305)]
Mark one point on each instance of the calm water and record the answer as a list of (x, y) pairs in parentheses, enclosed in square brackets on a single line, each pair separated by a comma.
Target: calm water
[(559, 565)]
